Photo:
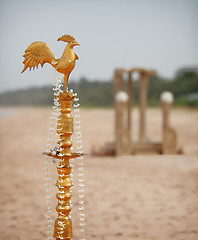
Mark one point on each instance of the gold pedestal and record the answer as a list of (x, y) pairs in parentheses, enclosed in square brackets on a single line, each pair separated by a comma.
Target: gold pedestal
[(63, 223)]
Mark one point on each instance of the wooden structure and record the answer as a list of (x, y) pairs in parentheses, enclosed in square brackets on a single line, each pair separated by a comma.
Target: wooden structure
[(123, 140), (124, 144)]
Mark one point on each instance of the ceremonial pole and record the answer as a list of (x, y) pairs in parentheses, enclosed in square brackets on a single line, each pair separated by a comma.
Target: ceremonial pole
[(39, 52)]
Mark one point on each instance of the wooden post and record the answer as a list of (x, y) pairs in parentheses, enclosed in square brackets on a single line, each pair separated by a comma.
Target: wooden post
[(118, 81), (122, 144), (168, 134), (130, 102), (118, 86), (144, 78)]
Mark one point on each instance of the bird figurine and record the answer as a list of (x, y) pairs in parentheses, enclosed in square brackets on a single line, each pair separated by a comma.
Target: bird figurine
[(39, 52)]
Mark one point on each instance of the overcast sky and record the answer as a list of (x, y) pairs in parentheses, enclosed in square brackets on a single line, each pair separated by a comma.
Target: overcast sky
[(154, 34)]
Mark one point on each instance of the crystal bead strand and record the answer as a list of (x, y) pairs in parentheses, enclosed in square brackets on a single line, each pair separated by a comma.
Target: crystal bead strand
[(81, 180), (57, 90), (71, 162), (53, 119), (48, 190)]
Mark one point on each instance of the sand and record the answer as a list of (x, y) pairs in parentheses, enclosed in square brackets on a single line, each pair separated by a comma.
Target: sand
[(129, 197)]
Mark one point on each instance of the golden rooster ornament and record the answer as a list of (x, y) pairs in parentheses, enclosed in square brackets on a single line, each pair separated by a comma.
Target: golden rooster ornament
[(39, 52)]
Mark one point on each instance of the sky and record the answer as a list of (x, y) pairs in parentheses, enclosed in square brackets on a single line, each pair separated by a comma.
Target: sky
[(153, 34)]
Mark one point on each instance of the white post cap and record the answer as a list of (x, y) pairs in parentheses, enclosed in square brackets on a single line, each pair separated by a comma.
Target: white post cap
[(121, 97), (167, 97)]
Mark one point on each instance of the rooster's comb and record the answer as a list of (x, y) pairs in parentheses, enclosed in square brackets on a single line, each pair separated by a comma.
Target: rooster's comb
[(66, 38)]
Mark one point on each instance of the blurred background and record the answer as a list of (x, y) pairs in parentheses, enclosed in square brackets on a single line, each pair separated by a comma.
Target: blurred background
[(114, 34), (128, 197)]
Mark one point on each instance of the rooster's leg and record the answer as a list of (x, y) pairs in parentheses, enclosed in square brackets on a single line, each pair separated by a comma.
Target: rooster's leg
[(66, 76)]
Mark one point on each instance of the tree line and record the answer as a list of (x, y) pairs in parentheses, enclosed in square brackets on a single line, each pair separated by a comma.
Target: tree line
[(101, 93)]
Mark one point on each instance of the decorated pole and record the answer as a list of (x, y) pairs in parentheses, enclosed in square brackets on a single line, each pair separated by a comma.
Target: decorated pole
[(63, 224), (39, 52)]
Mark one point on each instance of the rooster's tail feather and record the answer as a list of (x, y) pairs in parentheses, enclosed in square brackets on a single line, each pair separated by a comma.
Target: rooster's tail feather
[(37, 52)]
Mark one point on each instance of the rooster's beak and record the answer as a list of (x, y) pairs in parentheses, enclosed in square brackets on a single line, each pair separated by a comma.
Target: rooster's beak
[(76, 43)]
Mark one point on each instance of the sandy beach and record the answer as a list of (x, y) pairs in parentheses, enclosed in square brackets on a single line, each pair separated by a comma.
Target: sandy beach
[(129, 197)]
